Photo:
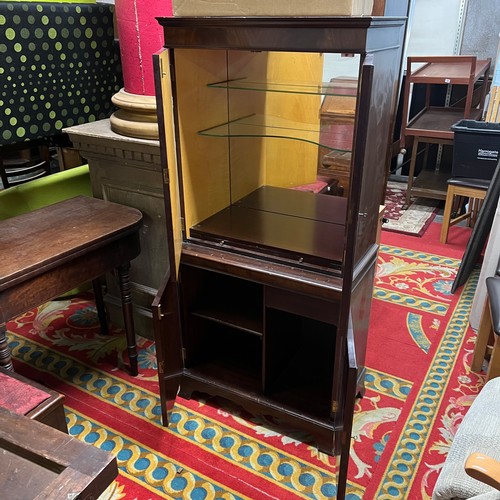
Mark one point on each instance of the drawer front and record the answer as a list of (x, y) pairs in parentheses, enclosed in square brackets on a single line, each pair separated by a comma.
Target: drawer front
[(302, 305)]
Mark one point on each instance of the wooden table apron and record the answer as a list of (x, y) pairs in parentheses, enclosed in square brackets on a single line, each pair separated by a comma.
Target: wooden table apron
[(22, 289)]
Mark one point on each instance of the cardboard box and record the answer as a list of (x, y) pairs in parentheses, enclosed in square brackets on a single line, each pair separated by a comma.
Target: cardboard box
[(272, 7)]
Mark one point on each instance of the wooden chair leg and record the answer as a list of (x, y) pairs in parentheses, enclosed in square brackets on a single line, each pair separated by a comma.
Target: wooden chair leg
[(448, 206), (100, 306), (124, 280), (494, 365), (483, 334)]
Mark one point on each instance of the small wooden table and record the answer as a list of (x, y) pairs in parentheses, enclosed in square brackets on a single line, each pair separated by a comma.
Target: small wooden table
[(37, 461), (54, 249)]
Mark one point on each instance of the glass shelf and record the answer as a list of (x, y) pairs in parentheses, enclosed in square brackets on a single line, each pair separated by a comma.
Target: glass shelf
[(345, 90), (269, 126)]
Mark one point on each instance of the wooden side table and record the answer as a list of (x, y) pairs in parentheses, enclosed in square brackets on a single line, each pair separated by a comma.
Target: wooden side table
[(49, 251), (432, 124)]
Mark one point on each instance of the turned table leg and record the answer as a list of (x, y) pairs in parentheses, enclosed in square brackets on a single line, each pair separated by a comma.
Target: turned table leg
[(5, 359), (100, 306), (124, 280)]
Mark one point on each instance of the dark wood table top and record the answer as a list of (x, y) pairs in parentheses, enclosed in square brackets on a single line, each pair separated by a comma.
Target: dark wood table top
[(37, 461), (32, 243)]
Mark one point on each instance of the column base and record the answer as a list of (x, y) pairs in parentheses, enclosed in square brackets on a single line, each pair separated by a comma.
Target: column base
[(136, 117)]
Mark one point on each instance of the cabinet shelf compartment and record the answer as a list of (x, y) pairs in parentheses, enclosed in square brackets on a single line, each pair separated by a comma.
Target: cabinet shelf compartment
[(224, 355), (299, 353), (223, 299), (303, 227), (288, 88), (279, 128)]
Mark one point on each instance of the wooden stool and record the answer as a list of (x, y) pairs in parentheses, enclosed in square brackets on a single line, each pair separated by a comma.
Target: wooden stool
[(25, 397), (458, 189), (489, 331), (54, 249)]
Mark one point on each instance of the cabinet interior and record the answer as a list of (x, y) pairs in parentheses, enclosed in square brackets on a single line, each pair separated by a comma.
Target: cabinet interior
[(255, 140), (243, 334)]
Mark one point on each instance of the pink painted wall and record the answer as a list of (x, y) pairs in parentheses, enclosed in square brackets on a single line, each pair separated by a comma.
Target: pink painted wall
[(140, 37)]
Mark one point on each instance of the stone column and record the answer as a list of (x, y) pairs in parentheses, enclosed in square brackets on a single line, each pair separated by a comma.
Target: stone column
[(140, 37)]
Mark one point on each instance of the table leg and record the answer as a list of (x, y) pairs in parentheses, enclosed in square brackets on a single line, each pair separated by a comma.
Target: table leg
[(101, 308), (124, 280), (5, 359)]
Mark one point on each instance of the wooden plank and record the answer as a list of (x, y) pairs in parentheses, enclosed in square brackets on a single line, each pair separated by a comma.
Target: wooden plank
[(37, 461)]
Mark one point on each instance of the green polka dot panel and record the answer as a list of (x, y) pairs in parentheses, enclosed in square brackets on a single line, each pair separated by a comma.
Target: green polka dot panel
[(50, 53)]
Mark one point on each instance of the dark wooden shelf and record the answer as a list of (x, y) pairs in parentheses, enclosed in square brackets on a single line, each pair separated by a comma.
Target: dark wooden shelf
[(436, 122), (239, 316), (431, 184), (302, 226)]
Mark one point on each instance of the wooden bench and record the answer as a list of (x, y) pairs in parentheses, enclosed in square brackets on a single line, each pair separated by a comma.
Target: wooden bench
[(25, 397), (37, 461), (54, 249)]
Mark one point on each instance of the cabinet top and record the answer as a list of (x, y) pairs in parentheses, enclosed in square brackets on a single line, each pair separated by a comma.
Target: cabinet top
[(354, 34)]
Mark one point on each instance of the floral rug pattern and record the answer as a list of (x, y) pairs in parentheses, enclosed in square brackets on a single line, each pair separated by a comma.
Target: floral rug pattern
[(412, 221)]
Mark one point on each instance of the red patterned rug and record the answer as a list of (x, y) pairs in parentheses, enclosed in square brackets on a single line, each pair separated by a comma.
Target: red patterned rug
[(412, 221), (443, 390), (214, 449)]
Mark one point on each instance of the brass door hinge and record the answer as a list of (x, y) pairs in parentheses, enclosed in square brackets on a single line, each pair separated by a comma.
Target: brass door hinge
[(335, 406)]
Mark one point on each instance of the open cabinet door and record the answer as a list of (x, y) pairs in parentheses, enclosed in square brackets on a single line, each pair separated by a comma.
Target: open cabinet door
[(165, 307)]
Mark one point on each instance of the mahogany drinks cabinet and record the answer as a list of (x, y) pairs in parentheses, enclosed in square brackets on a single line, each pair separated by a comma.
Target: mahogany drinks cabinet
[(267, 298)]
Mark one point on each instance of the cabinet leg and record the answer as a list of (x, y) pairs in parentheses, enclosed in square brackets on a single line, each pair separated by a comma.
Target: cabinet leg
[(124, 280), (5, 359), (185, 393), (168, 391)]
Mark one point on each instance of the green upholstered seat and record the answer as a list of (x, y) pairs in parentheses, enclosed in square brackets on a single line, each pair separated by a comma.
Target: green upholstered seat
[(44, 191)]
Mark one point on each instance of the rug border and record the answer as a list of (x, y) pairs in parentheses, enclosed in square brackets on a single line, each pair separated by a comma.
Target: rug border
[(397, 470)]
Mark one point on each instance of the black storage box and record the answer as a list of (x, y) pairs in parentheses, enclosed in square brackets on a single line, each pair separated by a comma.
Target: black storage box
[(475, 149)]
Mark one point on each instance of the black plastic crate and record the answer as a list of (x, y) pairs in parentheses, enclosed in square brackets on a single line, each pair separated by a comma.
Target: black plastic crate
[(475, 149)]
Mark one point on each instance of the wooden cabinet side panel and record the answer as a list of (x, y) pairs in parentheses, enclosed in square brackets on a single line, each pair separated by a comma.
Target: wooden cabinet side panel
[(204, 160)]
